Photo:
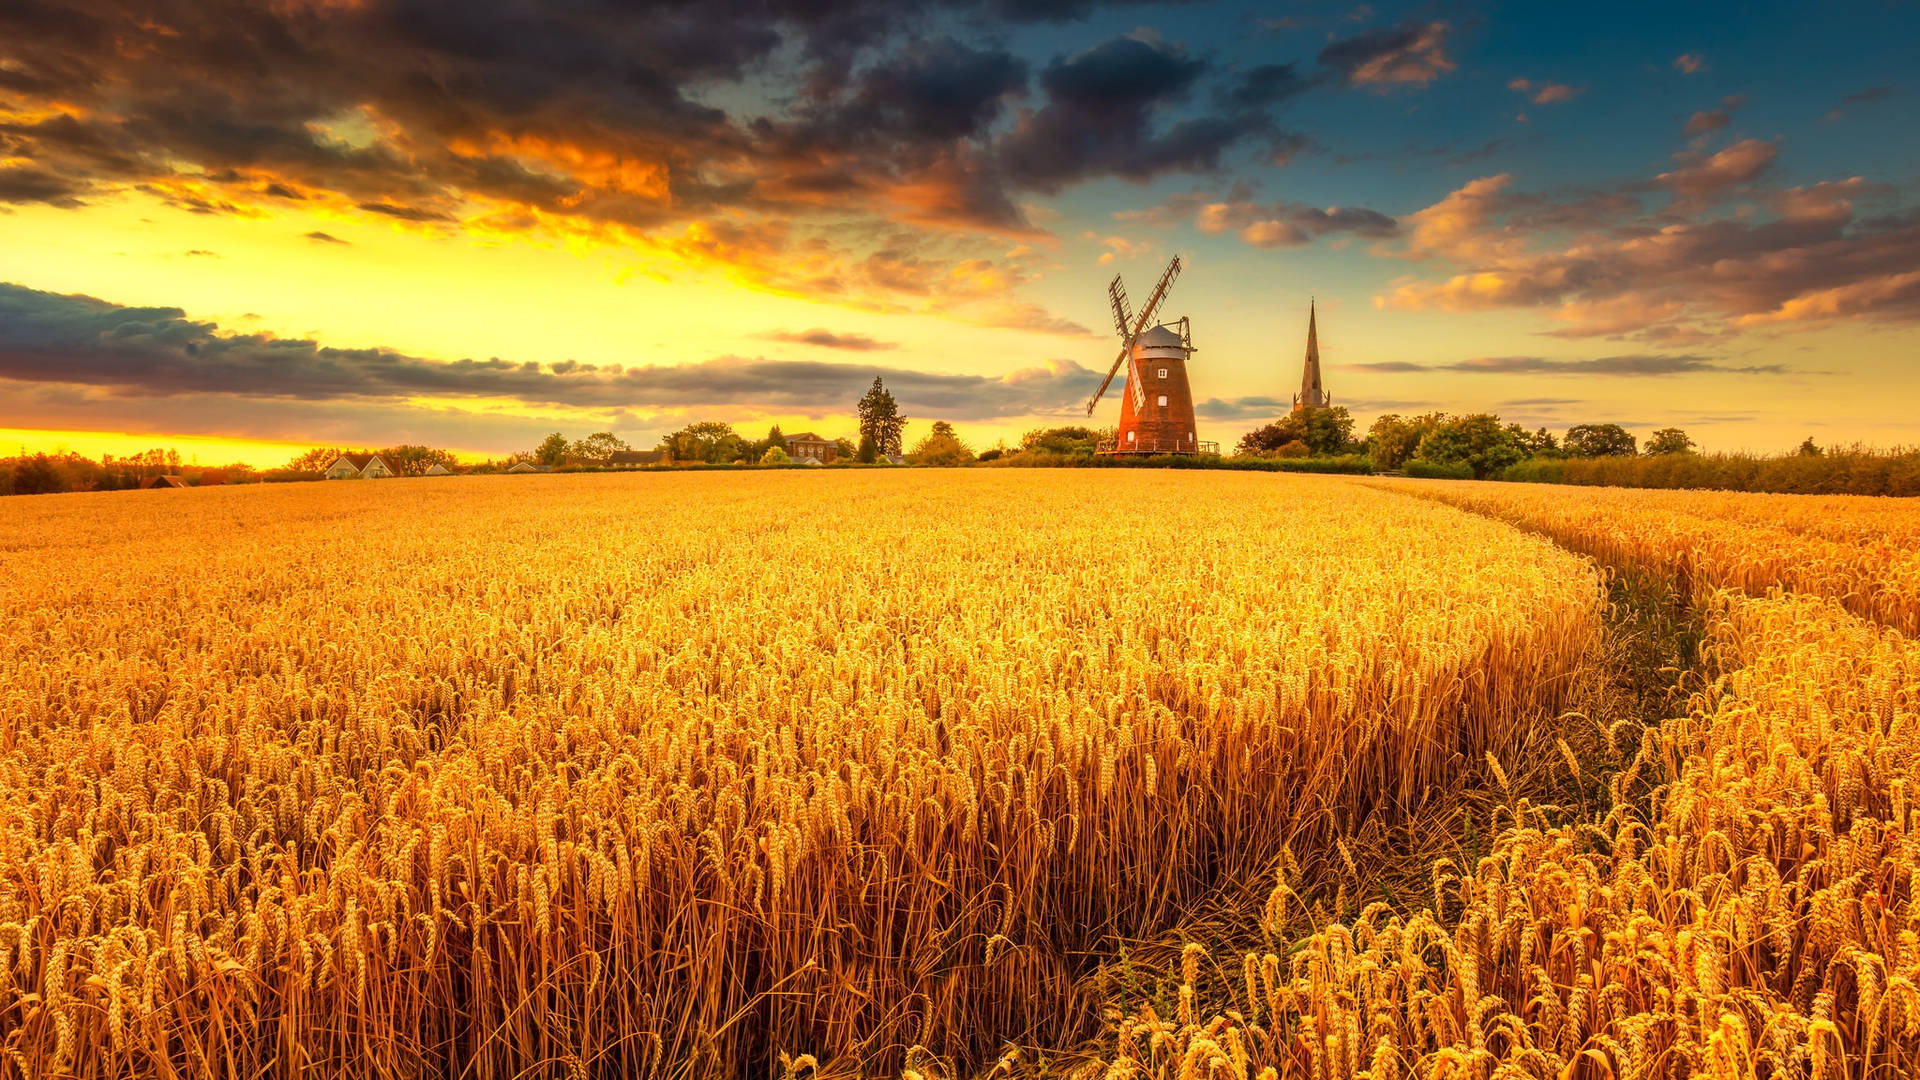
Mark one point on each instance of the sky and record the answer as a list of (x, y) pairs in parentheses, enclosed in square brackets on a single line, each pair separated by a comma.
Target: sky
[(248, 227)]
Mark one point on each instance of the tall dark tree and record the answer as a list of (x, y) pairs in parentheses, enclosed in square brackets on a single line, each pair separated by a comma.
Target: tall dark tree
[(880, 418)]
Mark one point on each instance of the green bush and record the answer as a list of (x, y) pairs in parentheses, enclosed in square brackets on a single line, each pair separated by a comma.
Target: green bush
[(1434, 470)]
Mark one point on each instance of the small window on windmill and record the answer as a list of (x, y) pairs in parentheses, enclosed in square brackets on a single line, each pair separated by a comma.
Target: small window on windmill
[(1163, 401), (1129, 436), (1163, 373)]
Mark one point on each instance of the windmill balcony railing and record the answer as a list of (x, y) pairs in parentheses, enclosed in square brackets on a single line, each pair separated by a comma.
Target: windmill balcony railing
[(1158, 446)]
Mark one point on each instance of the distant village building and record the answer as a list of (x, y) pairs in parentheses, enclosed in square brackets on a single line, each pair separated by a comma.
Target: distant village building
[(525, 467), (808, 447), (163, 482), (627, 459), (1313, 393), (894, 459), (351, 466), (437, 469)]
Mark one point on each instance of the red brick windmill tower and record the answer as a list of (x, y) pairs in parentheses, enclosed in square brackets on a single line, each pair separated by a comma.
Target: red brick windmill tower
[(1156, 416)]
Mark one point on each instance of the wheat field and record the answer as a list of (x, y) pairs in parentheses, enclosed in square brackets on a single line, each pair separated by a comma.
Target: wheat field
[(929, 774), (670, 775)]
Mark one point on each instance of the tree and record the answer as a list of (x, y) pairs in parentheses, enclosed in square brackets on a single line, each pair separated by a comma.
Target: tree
[(775, 456), (880, 417), (773, 439), (708, 440), (1809, 448), (313, 461), (552, 450), (1600, 440), (1394, 438), (1538, 443), (869, 451), (598, 446), (412, 460), (1328, 431), (942, 446), (1477, 441), (844, 449), (1072, 439), (1270, 437), (1669, 440)]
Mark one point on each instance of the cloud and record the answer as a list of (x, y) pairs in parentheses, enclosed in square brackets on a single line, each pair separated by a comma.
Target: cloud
[(590, 123), (319, 237), (1709, 178), (1705, 121), (1290, 224), (1861, 97), (1689, 63), (28, 183), (1603, 266), (1544, 93), (1636, 365), (1268, 85), (129, 353), (1102, 118), (1267, 225), (827, 339), (1410, 54)]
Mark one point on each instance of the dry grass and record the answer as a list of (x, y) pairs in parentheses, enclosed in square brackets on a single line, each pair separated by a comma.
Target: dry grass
[(665, 775)]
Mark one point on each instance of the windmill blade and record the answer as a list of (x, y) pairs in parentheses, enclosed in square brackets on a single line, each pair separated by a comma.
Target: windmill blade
[(1122, 317), (1140, 324), (1126, 347), (1126, 350)]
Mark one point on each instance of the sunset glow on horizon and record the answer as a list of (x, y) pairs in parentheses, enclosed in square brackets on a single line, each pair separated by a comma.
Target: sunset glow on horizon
[(253, 230)]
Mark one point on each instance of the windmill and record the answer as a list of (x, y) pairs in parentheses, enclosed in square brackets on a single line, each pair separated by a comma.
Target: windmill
[(1156, 417)]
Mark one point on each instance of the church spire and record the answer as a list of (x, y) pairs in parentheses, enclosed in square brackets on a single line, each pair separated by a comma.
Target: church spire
[(1313, 393)]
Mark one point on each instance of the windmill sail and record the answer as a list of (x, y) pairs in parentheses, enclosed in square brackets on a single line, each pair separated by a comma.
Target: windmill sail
[(1134, 382)]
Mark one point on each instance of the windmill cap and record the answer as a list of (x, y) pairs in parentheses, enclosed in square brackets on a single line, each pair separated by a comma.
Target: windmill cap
[(1160, 338)]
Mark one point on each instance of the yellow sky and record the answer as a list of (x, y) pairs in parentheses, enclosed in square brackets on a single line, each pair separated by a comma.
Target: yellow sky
[(528, 298)]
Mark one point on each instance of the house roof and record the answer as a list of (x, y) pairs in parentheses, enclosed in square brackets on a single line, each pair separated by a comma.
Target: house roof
[(806, 436), (164, 481), (525, 467), (437, 469), (1159, 338), (359, 461)]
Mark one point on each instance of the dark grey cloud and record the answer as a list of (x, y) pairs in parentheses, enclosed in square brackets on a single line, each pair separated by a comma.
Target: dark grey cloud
[(1643, 364), (1412, 53), (34, 184), (319, 237), (827, 339), (1871, 93), (227, 104), (154, 352), (1104, 113), (1268, 85), (1710, 120)]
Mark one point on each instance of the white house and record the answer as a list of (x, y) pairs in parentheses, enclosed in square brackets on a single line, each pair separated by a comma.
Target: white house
[(525, 467), (438, 469), (351, 466)]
